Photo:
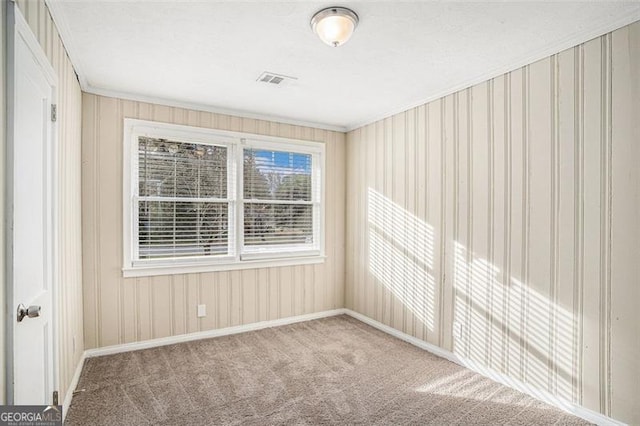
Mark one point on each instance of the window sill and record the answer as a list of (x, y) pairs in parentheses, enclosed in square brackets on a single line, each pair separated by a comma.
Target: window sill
[(146, 271)]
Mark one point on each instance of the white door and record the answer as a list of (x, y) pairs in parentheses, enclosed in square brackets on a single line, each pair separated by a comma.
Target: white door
[(30, 233)]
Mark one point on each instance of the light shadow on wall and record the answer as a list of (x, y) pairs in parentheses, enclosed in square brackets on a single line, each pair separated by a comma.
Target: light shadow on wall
[(401, 255), (511, 327)]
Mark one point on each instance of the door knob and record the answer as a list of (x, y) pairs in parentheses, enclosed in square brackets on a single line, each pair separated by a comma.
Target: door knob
[(31, 312)]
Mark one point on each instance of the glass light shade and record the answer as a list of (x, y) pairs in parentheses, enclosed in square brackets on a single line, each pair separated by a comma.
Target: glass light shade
[(334, 25)]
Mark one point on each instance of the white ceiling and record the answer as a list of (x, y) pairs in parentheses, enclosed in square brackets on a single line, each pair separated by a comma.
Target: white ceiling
[(207, 55)]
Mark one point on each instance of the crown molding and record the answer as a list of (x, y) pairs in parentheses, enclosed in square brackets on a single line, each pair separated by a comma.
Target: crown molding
[(68, 40), (209, 108), (608, 24), (587, 34)]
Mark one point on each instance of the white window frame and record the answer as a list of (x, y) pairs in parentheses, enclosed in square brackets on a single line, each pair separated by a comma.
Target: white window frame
[(238, 256), (282, 251)]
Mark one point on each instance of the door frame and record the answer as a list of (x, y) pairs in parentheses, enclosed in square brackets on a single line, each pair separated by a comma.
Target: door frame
[(17, 27)]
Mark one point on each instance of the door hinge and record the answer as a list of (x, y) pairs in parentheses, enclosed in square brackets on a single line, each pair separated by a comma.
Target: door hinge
[(54, 112), (55, 398)]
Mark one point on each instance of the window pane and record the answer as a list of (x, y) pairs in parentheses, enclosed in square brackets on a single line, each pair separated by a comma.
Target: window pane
[(276, 175), (178, 169), (177, 229), (269, 224)]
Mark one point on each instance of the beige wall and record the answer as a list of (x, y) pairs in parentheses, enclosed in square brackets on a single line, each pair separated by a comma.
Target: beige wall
[(119, 310), (499, 209), (69, 205), (501, 222)]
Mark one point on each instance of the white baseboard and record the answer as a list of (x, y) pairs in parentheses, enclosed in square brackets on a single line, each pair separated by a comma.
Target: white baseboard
[(163, 341), (109, 350), (518, 385), (72, 386), (570, 407)]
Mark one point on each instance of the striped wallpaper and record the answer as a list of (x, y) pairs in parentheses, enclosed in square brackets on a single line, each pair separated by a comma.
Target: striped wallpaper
[(70, 333), (119, 310), (501, 222)]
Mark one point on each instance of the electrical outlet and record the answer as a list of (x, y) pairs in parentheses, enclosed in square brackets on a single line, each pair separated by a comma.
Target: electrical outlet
[(202, 311)]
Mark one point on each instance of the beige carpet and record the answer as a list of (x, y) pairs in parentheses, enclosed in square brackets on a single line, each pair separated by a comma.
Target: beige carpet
[(330, 371)]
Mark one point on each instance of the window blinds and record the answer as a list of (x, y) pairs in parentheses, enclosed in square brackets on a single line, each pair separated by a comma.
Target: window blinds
[(279, 198), (183, 205)]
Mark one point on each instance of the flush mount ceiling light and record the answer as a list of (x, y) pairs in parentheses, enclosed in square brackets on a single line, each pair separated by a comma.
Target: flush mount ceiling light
[(334, 25)]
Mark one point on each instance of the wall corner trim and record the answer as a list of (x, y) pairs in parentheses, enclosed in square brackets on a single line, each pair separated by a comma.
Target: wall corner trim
[(569, 407), (72, 386)]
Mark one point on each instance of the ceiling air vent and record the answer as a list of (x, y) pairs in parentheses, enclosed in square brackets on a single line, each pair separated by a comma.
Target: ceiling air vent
[(273, 78)]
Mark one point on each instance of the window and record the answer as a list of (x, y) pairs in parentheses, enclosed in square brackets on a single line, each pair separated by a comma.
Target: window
[(182, 203), (200, 200), (279, 201)]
